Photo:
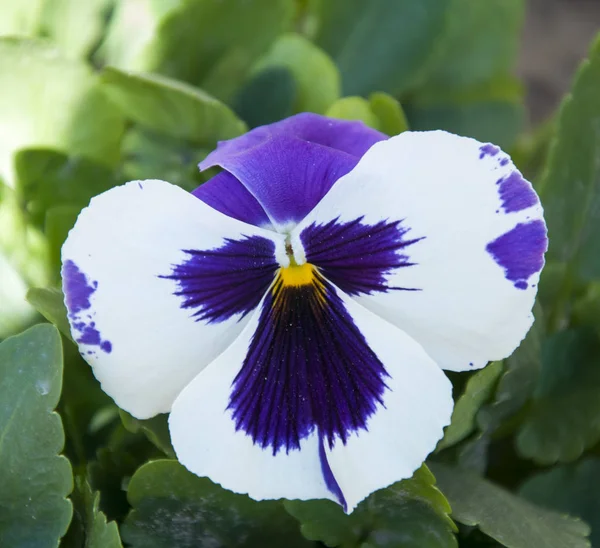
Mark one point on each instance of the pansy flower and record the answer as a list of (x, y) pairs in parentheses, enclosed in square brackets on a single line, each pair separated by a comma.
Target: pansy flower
[(295, 313)]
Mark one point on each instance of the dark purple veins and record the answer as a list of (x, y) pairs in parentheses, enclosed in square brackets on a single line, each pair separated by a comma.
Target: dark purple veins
[(308, 368), (520, 252), (355, 256), (78, 292), (232, 279), (516, 193)]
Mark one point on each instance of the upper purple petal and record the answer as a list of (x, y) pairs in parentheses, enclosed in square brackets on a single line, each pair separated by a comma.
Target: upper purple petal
[(226, 194), (286, 167)]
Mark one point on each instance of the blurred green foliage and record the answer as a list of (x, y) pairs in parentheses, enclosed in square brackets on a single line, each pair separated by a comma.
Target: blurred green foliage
[(99, 92)]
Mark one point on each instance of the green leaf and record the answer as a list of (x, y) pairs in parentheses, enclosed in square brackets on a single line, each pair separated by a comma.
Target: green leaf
[(35, 480), (186, 39), (267, 97), (389, 113), (409, 514), (570, 188), (21, 18), (23, 262), (89, 528), (75, 26), (381, 45), (519, 379), (489, 112), (482, 40), (564, 418), (173, 507), (49, 101), (50, 303), (572, 489), (315, 73), (512, 521), (59, 221), (353, 108), (478, 391), (48, 178), (171, 107), (155, 429)]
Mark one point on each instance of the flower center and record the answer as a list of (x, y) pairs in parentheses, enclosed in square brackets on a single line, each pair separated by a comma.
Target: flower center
[(297, 276)]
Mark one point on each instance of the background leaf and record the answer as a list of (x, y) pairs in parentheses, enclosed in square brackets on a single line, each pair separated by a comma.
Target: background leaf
[(410, 514), (49, 101), (173, 507), (572, 489), (315, 73), (381, 45), (35, 480), (570, 189), (512, 521), (171, 107), (564, 418)]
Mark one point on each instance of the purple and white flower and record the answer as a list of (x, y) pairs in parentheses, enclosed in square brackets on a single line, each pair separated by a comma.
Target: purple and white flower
[(294, 313)]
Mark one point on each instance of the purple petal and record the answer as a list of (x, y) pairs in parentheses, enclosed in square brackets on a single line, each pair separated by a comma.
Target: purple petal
[(287, 166), (226, 194), (288, 176)]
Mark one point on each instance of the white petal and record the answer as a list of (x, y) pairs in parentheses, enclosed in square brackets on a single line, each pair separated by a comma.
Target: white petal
[(205, 439), (147, 346), (418, 405), (470, 307)]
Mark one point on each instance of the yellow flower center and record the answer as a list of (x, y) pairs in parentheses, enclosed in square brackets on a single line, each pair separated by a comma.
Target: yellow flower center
[(297, 275)]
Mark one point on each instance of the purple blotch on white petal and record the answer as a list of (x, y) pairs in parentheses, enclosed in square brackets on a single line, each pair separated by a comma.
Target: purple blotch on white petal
[(78, 292), (488, 150), (516, 193), (520, 252)]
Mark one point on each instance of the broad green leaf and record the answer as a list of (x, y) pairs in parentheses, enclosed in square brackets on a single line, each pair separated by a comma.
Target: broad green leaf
[(155, 429), (76, 26), (570, 188), (89, 528), (49, 101), (185, 39), (23, 262), (586, 309), (267, 97), (149, 155), (519, 378), (478, 391), (59, 221), (409, 514), (35, 479), (315, 73), (389, 113), (381, 45), (353, 108), (173, 507), (226, 77), (564, 416), (573, 489), (482, 40), (171, 107), (21, 18), (50, 303), (489, 112), (507, 518), (48, 178)]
